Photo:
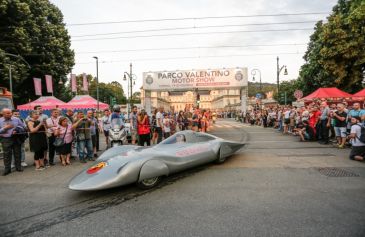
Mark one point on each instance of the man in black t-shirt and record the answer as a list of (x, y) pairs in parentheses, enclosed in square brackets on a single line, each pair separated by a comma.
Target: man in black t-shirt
[(339, 118)]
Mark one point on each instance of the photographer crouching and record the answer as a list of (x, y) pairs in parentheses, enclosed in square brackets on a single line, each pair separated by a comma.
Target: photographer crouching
[(357, 139)]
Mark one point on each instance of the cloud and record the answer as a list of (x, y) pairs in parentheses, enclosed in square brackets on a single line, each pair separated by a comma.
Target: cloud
[(114, 10)]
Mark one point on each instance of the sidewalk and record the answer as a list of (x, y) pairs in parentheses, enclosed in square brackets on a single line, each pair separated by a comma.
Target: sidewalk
[(266, 147)]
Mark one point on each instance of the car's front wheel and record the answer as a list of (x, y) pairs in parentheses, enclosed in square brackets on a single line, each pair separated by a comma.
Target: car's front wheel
[(149, 183)]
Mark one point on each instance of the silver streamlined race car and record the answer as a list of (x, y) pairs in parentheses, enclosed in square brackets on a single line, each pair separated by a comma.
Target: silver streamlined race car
[(147, 165)]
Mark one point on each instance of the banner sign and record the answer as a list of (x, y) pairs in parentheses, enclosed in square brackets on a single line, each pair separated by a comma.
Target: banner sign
[(37, 86), (298, 94), (200, 79), (73, 83), (85, 83), (49, 83)]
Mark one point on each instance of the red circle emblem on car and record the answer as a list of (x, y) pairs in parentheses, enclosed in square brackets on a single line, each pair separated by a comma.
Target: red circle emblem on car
[(96, 168)]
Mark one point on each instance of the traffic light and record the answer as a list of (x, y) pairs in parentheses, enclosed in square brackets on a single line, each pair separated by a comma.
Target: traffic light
[(113, 100), (283, 98)]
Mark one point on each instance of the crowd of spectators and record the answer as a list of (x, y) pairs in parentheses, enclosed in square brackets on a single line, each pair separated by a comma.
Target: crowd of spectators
[(78, 133), (62, 135), (327, 123)]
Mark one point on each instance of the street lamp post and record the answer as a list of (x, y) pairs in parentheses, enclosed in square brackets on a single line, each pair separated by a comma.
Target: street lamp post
[(10, 68), (278, 70), (131, 83), (253, 73), (97, 82), (10, 79)]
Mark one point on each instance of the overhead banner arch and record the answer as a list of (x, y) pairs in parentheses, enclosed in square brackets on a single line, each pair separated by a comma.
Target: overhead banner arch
[(197, 79)]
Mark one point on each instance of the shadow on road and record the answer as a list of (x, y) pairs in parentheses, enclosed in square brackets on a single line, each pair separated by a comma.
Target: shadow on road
[(92, 202)]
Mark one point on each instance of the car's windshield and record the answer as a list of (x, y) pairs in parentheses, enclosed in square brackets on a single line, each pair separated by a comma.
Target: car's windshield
[(175, 139), (200, 137)]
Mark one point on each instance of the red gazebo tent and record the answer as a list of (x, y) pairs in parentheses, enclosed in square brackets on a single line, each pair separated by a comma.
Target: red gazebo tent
[(84, 102), (331, 93), (359, 95), (47, 103)]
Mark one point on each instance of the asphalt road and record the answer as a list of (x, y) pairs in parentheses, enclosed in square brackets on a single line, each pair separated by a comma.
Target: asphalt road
[(275, 186)]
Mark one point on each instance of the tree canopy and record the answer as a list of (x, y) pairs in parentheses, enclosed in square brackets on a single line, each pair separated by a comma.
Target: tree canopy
[(107, 91), (335, 55), (34, 30)]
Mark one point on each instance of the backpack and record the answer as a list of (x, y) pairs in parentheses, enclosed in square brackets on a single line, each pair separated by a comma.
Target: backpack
[(362, 134)]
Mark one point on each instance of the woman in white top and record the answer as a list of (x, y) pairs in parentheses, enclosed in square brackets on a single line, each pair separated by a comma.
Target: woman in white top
[(166, 126)]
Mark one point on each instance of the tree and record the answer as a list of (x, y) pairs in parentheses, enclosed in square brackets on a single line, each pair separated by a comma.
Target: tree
[(289, 87), (336, 53), (254, 88), (343, 53), (33, 29), (107, 91), (312, 73), (136, 97)]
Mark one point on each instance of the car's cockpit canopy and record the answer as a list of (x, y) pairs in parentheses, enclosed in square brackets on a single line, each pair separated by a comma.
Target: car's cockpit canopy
[(187, 137)]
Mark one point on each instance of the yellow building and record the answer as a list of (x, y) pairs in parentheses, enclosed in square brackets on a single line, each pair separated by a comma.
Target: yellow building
[(216, 89), (219, 100)]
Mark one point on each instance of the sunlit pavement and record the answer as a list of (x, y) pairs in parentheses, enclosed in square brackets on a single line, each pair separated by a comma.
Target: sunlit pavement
[(275, 186)]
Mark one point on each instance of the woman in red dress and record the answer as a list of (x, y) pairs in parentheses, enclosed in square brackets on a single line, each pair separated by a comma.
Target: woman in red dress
[(143, 129)]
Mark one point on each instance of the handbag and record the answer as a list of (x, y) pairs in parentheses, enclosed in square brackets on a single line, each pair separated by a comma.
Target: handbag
[(60, 141)]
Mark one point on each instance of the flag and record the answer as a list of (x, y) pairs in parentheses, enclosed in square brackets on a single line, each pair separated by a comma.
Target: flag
[(37, 86), (49, 83), (73, 83), (85, 83)]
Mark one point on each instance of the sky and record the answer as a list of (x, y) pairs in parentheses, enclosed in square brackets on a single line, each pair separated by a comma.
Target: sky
[(252, 39)]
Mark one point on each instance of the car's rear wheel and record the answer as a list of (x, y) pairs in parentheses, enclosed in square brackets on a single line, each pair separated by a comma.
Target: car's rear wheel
[(149, 183)]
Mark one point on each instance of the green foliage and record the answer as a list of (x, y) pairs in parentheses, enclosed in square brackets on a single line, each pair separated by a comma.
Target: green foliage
[(254, 88), (285, 86), (33, 29), (136, 97), (336, 53), (290, 87), (108, 92)]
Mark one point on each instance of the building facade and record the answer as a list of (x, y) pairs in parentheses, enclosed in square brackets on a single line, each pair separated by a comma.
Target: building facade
[(216, 100), (216, 89)]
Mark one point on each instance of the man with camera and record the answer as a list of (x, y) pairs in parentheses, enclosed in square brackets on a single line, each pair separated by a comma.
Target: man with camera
[(83, 137), (340, 124), (94, 129)]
